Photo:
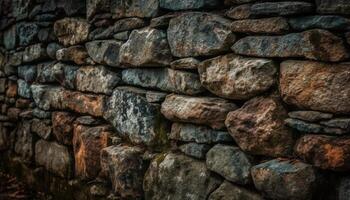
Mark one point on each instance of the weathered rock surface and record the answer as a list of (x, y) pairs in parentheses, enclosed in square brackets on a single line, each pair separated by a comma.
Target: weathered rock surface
[(71, 31), (240, 12), (258, 127), (199, 34), (125, 167), (332, 22), (162, 21), (76, 54), (42, 128), (185, 63), (52, 48), (137, 8), (333, 6), (87, 144), (65, 74), (237, 77), (313, 128), (312, 44), (104, 51), (23, 89), (97, 79), (228, 191), (187, 5), (209, 111), (146, 47), (198, 134), (311, 116), (316, 86), (27, 33), (230, 162), (94, 7), (133, 117), (325, 152), (164, 79), (24, 144), (54, 157), (52, 97), (194, 150), (281, 8), (191, 177), (27, 72), (285, 179), (274, 25), (35, 52), (62, 127), (343, 123)]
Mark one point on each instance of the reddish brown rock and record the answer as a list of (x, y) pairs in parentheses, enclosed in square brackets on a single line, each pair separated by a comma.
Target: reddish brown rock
[(274, 25), (240, 12), (84, 103), (87, 144), (11, 91), (77, 54), (325, 152), (199, 110), (62, 125), (71, 31), (316, 86), (258, 127)]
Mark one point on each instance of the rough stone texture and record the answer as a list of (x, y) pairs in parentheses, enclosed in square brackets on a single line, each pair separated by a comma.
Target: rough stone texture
[(133, 117), (87, 144), (274, 25), (137, 8), (71, 31), (332, 22), (237, 77), (104, 51), (325, 152), (230, 162), (198, 110), (42, 128), (185, 63), (313, 128), (311, 116), (97, 79), (24, 145), (343, 123), (258, 127), (23, 89), (54, 157), (281, 8), (62, 127), (199, 34), (187, 5), (146, 47), (228, 191), (198, 134), (27, 72), (333, 6), (164, 79), (314, 44), (76, 54), (46, 97), (285, 179), (125, 167), (316, 86), (191, 177), (195, 150), (239, 12), (35, 52)]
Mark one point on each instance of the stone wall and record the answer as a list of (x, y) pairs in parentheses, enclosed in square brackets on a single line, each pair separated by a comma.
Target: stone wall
[(176, 99)]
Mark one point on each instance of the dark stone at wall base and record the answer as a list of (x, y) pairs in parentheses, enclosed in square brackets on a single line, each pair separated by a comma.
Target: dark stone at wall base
[(228, 191), (188, 4)]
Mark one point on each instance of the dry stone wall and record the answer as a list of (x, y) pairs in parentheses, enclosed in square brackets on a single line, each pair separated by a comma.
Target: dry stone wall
[(176, 99)]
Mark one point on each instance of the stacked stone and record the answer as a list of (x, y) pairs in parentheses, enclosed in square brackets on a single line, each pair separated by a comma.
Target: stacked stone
[(166, 99)]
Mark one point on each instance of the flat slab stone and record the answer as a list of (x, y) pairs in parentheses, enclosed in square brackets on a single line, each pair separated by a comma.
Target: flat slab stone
[(282, 8), (333, 6), (327, 47), (164, 79), (228, 191), (331, 22), (273, 25), (187, 4), (208, 111)]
